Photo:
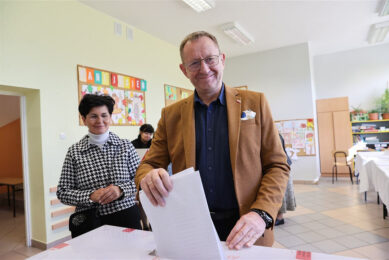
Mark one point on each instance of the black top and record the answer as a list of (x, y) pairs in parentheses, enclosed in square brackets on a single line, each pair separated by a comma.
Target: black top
[(213, 153), (138, 144)]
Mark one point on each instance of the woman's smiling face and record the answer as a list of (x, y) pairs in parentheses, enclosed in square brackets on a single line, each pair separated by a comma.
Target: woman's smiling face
[(98, 120)]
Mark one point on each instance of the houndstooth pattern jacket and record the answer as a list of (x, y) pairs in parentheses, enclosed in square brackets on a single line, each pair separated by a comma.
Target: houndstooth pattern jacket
[(88, 168)]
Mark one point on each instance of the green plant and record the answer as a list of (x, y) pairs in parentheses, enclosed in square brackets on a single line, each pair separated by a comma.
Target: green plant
[(385, 101), (356, 110), (373, 111), (378, 104)]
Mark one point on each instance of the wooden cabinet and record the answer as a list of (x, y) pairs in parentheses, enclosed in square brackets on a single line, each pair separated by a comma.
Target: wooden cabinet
[(334, 131)]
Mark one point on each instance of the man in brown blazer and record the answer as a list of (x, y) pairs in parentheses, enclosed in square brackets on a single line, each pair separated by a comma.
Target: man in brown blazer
[(229, 136)]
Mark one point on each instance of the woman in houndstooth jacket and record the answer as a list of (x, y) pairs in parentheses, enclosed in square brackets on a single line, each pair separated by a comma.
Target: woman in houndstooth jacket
[(98, 172)]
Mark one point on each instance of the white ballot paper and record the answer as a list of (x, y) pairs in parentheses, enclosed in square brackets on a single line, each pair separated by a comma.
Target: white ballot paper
[(183, 228)]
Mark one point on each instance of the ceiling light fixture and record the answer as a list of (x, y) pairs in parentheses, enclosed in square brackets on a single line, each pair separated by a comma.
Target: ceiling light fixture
[(200, 5), (237, 33), (384, 10), (378, 32)]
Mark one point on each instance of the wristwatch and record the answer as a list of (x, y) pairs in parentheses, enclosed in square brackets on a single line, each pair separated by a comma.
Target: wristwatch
[(266, 217)]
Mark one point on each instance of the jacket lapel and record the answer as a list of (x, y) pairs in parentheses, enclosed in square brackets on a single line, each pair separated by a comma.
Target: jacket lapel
[(188, 130), (233, 112)]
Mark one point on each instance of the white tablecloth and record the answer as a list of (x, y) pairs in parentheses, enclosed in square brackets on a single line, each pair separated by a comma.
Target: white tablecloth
[(373, 168), (109, 242)]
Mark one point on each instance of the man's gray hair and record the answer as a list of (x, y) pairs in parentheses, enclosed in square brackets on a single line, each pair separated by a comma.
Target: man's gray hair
[(194, 36)]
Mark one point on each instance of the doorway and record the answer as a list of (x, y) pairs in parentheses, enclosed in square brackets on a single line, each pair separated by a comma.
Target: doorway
[(14, 172)]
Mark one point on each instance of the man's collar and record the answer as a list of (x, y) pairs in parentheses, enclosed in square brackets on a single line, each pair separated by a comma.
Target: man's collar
[(221, 97)]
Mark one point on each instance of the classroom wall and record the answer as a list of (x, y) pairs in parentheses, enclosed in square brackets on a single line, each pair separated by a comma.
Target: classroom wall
[(284, 76), (361, 74), (41, 43)]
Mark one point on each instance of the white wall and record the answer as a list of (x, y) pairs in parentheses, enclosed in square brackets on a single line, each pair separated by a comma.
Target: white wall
[(360, 74), (284, 75)]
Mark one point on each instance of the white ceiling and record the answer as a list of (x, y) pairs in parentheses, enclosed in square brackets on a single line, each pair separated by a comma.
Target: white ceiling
[(329, 26)]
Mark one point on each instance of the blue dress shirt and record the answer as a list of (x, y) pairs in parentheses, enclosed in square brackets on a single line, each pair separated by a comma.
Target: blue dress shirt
[(213, 153)]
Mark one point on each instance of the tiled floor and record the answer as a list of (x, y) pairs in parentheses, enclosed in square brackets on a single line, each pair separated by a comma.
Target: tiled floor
[(335, 219), (330, 218), (12, 232)]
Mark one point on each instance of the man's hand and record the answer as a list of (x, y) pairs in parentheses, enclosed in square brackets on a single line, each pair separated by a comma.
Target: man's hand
[(246, 231), (157, 185), (106, 195)]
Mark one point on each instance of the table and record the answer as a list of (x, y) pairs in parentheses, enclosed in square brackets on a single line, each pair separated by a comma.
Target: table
[(373, 168), (109, 242), (12, 182)]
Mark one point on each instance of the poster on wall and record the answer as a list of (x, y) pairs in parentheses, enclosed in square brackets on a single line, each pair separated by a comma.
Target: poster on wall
[(299, 135), (170, 93), (174, 94), (127, 91)]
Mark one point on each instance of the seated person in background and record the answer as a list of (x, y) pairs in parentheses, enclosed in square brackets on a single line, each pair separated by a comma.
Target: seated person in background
[(146, 132), (98, 173)]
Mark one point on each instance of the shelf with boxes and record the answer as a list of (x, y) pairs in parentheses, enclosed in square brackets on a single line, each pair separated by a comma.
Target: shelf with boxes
[(375, 133)]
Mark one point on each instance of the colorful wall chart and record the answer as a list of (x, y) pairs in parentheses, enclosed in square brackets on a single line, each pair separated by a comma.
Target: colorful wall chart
[(170, 93), (299, 134), (174, 94), (127, 91)]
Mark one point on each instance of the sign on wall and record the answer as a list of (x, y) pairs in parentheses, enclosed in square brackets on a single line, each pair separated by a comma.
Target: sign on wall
[(127, 91), (298, 134), (174, 94)]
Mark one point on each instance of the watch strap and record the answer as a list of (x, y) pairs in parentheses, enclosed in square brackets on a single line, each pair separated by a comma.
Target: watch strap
[(266, 217)]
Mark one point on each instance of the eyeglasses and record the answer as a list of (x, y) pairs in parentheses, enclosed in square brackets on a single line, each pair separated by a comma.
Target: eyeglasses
[(211, 61)]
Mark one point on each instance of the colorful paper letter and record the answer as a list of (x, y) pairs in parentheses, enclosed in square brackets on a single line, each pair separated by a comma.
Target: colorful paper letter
[(114, 79), (105, 78), (90, 76), (82, 74), (97, 77)]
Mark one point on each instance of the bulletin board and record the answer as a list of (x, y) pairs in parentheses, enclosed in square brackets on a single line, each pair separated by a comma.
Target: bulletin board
[(127, 91), (173, 94), (299, 135)]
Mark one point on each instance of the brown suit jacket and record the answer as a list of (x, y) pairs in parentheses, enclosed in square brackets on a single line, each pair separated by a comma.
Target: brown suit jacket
[(258, 162)]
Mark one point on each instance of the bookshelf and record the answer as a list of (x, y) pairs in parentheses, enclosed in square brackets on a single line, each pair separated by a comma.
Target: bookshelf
[(375, 133)]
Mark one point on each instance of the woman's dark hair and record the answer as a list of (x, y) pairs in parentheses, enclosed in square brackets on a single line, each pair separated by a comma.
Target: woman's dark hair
[(90, 101), (147, 128)]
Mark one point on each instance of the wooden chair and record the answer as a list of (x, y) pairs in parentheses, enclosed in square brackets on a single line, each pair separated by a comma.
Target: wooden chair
[(341, 159)]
